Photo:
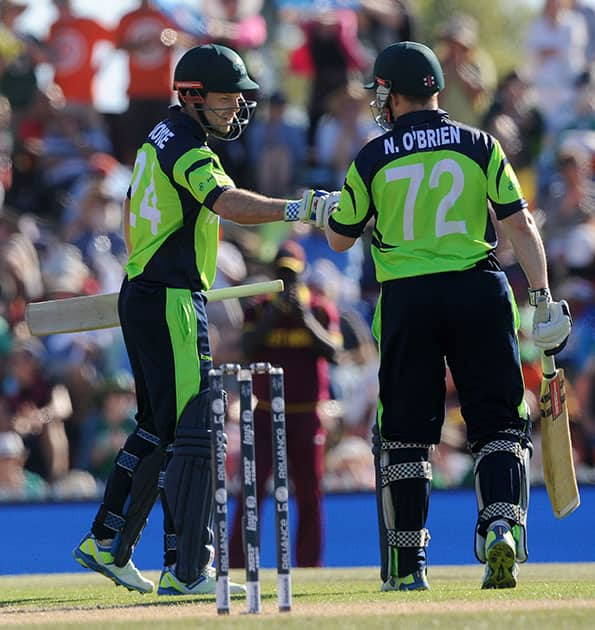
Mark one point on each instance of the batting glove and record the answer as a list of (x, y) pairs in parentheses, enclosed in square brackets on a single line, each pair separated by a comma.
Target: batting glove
[(326, 208), (551, 335), (314, 207)]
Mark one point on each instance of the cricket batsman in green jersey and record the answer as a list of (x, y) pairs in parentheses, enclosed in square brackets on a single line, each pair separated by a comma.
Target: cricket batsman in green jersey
[(177, 195), (432, 189)]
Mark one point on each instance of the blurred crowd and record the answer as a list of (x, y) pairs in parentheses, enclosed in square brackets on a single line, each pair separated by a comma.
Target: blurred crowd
[(67, 401)]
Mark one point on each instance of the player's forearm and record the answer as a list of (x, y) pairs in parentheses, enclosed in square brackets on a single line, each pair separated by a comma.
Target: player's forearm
[(338, 242), (249, 208), (126, 224), (528, 247)]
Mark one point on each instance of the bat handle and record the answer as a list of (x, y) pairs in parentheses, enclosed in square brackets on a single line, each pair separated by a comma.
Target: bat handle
[(548, 364)]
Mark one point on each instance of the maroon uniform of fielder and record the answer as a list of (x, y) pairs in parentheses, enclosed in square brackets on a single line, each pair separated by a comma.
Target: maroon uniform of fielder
[(299, 332)]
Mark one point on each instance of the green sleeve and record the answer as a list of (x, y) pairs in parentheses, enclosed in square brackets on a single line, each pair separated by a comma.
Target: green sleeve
[(504, 190), (354, 205), (199, 171)]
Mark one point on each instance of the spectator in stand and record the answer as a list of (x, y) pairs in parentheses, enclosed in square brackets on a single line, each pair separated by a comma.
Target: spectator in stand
[(515, 120), (354, 380), (329, 56), (19, 55), (38, 409), (348, 263), (71, 46), (141, 34), (579, 129), (96, 232), (106, 429), (19, 266), (588, 12), (349, 466), (299, 332), (28, 193), (6, 146), (569, 205), (384, 22), (72, 138), (16, 482), (341, 133), (276, 149), (237, 24), (556, 45), (79, 360), (468, 69), (584, 301)]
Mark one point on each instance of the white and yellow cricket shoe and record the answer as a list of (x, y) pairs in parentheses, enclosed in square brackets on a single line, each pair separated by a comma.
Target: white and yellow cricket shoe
[(91, 555)]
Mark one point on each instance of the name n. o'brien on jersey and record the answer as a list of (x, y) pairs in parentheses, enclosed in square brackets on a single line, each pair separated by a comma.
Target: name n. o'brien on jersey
[(424, 139)]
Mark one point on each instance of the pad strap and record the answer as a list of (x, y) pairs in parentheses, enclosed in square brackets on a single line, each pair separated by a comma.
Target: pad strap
[(499, 446), (510, 511), (127, 460), (419, 538), (148, 437), (409, 470), (385, 445), (114, 522)]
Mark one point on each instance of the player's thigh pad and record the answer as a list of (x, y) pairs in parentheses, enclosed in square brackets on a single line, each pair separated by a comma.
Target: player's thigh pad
[(187, 487), (502, 486)]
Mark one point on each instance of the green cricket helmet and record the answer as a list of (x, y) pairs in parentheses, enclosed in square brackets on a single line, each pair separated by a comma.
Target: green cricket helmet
[(214, 68), (407, 68)]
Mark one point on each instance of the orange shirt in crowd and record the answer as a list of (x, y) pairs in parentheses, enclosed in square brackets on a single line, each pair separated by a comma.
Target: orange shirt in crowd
[(72, 41), (149, 61)]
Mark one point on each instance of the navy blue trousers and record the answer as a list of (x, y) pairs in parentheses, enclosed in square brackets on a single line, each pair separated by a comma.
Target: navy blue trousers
[(467, 319)]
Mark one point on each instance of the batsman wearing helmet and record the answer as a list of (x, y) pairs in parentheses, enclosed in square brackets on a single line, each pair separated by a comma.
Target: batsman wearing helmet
[(177, 195), (433, 189)]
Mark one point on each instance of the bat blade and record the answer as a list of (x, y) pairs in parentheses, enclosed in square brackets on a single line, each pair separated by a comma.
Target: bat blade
[(77, 314), (94, 312), (558, 463)]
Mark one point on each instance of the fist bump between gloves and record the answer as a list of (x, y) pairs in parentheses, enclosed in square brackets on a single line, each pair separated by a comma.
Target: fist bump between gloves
[(315, 207)]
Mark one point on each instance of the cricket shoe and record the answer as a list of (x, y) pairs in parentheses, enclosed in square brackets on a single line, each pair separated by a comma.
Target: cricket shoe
[(91, 555), (206, 584), (501, 565), (416, 581)]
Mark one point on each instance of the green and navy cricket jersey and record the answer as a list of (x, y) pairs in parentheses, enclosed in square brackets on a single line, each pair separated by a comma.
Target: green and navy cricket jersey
[(427, 185), (176, 180)]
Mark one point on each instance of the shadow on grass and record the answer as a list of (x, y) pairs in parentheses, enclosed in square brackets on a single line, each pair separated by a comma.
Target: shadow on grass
[(46, 604), (40, 604)]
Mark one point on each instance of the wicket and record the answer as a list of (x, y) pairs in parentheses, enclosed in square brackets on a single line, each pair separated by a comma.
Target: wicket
[(248, 469)]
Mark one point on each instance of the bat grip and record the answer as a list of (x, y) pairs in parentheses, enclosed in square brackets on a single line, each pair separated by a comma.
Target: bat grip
[(548, 363)]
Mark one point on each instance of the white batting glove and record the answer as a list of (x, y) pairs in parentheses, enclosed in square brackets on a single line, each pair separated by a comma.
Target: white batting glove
[(551, 335), (314, 207), (326, 207)]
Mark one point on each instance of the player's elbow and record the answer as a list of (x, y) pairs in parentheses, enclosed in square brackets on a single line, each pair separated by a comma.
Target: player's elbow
[(519, 223), (338, 242), (224, 206)]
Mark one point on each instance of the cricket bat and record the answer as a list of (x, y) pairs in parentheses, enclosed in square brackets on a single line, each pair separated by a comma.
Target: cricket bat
[(556, 444), (94, 312)]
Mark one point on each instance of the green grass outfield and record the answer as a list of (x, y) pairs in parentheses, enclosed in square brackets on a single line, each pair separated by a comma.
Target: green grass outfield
[(548, 596)]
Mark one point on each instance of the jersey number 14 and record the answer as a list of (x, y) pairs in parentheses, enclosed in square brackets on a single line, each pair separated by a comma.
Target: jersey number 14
[(148, 205)]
